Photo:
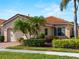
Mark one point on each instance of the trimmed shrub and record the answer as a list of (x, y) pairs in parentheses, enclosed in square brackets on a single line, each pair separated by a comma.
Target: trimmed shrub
[(68, 43), (1, 38), (34, 42)]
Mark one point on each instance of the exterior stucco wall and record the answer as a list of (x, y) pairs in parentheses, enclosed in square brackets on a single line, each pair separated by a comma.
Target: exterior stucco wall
[(50, 30)]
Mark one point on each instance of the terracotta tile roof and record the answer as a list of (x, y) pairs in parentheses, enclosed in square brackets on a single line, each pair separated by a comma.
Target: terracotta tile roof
[(14, 18), (2, 20), (54, 20)]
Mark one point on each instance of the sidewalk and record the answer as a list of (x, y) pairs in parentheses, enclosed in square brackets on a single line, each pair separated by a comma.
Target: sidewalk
[(43, 52)]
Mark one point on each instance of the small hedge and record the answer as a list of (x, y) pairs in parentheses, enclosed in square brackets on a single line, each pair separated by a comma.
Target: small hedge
[(68, 43), (34, 42)]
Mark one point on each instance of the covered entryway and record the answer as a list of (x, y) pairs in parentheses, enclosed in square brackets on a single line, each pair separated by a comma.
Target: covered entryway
[(10, 35)]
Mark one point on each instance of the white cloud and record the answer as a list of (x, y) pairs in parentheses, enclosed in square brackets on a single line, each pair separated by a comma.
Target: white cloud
[(48, 9), (53, 9)]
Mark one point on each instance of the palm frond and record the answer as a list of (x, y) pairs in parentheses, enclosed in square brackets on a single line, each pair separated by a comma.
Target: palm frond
[(78, 1), (64, 4)]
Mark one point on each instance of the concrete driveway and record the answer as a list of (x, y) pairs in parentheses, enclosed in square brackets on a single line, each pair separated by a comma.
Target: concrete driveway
[(8, 44)]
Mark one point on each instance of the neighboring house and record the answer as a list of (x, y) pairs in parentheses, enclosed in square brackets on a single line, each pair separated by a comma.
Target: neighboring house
[(1, 22), (54, 27)]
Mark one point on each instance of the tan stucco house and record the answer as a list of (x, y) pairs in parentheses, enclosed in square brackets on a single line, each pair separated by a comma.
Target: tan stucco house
[(53, 27)]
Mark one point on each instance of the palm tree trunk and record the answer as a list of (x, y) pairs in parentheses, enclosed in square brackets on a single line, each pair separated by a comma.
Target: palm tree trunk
[(75, 20), (26, 36), (37, 33)]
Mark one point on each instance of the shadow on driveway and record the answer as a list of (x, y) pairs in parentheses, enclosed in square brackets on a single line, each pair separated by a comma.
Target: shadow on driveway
[(8, 44)]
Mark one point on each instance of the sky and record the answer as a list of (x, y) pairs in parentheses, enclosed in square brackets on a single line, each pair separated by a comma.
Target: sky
[(9, 8)]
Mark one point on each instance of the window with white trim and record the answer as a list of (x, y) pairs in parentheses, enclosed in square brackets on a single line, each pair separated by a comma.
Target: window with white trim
[(59, 31)]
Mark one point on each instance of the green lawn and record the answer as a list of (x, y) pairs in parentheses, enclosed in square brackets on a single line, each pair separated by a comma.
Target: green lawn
[(14, 55), (45, 49)]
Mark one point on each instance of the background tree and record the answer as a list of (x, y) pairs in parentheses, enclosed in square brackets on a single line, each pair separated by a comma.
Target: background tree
[(37, 23), (63, 5)]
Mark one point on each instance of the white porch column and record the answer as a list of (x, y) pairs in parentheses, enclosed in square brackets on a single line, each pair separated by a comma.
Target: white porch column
[(68, 31), (50, 33)]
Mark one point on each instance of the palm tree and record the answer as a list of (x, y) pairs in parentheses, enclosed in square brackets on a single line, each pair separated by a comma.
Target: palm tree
[(63, 5), (30, 28), (37, 22), (21, 25)]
